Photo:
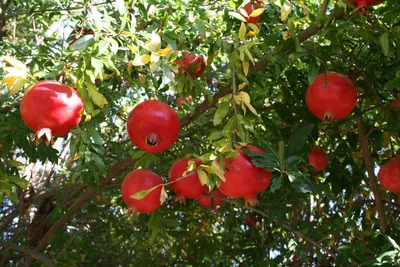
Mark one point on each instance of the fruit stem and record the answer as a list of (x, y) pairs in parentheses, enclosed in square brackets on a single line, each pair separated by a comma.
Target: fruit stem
[(234, 90)]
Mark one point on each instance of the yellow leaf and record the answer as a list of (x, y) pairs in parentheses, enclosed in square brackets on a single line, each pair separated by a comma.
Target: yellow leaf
[(153, 67), (246, 100), (163, 195), (14, 83), (286, 35), (257, 12), (285, 11), (146, 59), (164, 52), (77, 156), (246, 66), (218, 171), (14, 62), (237, 99), (255, 29), (241, 86), (242, 32), (154, 58), (155, 42), (357, 155), (96, 96), (138, 61)]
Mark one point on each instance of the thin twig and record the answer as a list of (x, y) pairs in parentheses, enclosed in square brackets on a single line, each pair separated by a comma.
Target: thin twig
[(30, 252)]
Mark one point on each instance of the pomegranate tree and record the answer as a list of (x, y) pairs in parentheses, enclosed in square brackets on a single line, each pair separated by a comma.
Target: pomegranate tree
[(185, 185), (153, 126), (249, 8), (206, 200), (317, 158), (50, 108), (192, 64), (331, 97), (243, 179), (389, 175), (137, 181)]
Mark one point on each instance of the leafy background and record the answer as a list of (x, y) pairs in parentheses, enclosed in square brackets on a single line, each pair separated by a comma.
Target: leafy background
[(61, 205)]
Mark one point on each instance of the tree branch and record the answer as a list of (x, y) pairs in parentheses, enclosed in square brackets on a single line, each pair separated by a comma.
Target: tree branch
[(369, 166), (286, 226), (30, 252)]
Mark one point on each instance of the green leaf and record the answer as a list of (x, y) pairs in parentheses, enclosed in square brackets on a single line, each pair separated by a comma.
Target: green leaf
[(95, 135), (242, 32), (83, 42), (299, 139), (221, 113), (215, 136), (142, 194), (237, 16), (384, 42), (153, 225), (21, 182), (203, 177), (276, 184), (15, 163), (100, 163), (96, 96), (313, 70)]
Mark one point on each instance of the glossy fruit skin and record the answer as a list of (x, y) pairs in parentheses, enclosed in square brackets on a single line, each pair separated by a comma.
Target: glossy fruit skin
[(180, 100), (364, 3), (249, 8), (153, 126), (317, 158), (243, 179), (332, 101), (205, 200), (191, 64), (139, 180), (250, 221), (51, 105), (189, 187), (389, 175)]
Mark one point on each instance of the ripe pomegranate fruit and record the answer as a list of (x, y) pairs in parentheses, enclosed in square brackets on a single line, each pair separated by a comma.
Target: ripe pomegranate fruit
[(153, 126), (181, 100), (206, 200), (365, 3), (389, 175), (250, 221), (188, 187), (317, 158), (249, 8), (243, 179), (333, 98), (50, 108), (139, 180), (395, 105), (193, 65)]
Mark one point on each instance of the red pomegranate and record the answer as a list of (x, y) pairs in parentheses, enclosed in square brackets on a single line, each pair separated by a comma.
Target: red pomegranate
[(139, 180), (193, 65), (243, 179), (206, 200), (389, 175), (153, 126), (50, 108), (395, 105), (250, 221), (317, 158), (365, 3), (181, 100), (188, 187), (249, 8), (333, 98)]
